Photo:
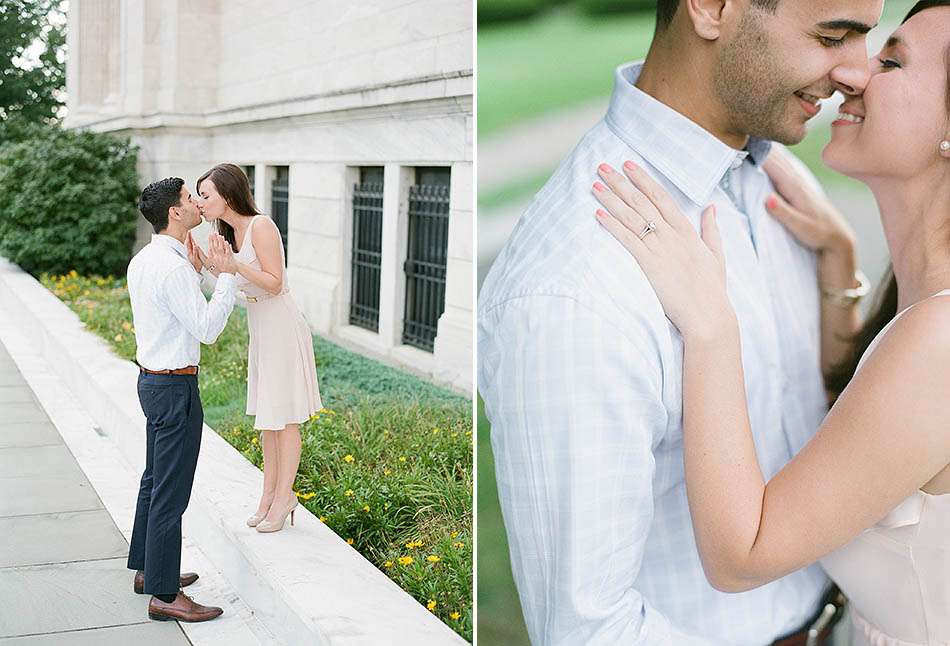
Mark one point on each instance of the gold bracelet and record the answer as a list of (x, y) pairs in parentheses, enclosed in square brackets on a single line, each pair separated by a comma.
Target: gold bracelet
[(849, 296)]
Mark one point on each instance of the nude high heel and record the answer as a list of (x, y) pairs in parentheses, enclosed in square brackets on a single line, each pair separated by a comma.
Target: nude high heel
[(265, 526), (255, 520)]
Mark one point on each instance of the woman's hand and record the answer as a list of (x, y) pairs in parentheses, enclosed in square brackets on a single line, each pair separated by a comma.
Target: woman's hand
[(220, 255), (804, 209), (687, 272)]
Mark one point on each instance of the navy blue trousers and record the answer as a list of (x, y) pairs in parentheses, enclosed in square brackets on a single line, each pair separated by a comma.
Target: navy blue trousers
[(174, 418)]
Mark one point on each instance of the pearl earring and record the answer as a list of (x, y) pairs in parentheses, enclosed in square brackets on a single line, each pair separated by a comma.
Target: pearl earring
[(944, 146)]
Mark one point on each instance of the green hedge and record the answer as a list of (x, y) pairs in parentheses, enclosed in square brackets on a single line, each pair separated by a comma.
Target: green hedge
[(67, 200)]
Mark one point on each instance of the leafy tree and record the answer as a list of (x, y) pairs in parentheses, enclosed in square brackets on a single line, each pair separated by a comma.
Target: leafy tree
[(31, 88)]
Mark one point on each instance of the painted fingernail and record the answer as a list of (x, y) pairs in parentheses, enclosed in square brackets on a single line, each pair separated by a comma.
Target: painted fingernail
[(604, 168), (772, 202), (629, 165), (601, 213), (600, 188)]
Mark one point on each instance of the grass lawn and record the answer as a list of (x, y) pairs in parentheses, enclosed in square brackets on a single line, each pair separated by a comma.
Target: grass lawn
[(387, 464), (557, 60)]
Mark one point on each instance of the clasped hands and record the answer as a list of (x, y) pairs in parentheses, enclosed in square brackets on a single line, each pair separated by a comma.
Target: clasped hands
[(219, 259)]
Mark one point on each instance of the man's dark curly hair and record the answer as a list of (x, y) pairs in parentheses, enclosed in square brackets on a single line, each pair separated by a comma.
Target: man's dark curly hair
[(157, 198), (666, 9)]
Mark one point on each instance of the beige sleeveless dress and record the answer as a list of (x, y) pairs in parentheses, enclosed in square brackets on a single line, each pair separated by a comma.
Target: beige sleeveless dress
[(897, 573), (281, 371)]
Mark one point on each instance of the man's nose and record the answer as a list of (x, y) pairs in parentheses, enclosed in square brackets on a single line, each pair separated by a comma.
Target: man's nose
[(851, 76)]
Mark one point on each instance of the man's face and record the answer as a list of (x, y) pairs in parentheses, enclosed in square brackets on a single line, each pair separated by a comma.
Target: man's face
[(776, 66), (188, 209)]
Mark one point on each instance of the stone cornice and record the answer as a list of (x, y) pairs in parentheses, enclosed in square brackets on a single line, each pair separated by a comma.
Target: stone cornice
[(454, 88)]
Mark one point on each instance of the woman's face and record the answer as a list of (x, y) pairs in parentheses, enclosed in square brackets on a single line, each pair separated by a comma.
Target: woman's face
[(210, 203), (895, 128)]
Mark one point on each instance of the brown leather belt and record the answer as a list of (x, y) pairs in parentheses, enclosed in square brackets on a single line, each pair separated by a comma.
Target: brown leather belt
[(818, 630), (187, 370)]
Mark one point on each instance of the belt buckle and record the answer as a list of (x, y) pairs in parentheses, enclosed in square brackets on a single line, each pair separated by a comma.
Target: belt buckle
[(819, 625), (252, 299)]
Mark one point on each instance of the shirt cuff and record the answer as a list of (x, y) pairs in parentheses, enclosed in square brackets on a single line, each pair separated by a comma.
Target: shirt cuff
[(227, 281)]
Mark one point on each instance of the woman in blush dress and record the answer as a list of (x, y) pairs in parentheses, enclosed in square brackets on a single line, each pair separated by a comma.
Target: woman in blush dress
[(282, 389), (869, 495)]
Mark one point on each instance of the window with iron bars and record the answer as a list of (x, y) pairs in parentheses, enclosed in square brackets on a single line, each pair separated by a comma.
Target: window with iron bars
[(426, 256), (279, 200), (365, 263)]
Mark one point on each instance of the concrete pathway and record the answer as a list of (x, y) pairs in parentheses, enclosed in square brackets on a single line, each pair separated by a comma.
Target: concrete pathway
[(63, 578)]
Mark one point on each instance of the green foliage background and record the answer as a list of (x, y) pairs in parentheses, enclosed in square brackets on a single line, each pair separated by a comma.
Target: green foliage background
[(67, 200), (31, 89)]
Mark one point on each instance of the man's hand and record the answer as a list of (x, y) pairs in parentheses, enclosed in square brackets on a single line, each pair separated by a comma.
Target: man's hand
[(195, 255), (220, 255)]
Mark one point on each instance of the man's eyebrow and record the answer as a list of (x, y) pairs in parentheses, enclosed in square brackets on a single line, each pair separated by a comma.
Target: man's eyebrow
[(850, 25)]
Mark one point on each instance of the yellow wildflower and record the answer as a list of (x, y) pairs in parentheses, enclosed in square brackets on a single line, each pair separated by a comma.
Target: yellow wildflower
[(435, 431), (118, 337), (386, 472), (432, 604), (306, 496), (366, 508), (126, 326), (348, 458), (459, 545), (388, 564), (348, 493), (432, 558), (454, 615), (253, 440), (402, 458), (349, 541), (453, 535), (323, 519), (405, 560)]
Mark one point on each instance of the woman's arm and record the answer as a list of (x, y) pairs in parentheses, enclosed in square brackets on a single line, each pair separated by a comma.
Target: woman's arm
[(884, 438), (267, 246), (809, 215)]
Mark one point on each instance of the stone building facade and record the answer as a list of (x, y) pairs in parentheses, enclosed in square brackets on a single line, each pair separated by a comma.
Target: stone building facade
[(354, 122)]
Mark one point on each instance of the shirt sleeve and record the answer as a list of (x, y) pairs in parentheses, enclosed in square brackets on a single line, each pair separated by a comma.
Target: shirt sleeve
[(203, 319), (575, 408)]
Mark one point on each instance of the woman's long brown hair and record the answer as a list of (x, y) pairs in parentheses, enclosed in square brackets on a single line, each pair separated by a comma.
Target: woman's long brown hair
[(885, 306), (231, 183)]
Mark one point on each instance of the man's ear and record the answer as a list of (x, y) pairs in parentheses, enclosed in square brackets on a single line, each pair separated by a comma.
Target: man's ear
[(174, 213), (707, 16)]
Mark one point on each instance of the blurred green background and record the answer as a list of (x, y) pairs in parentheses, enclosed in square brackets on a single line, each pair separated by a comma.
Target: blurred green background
[(539, 62)]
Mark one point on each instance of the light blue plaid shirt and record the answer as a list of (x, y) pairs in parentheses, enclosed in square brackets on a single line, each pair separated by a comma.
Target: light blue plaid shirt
[(581, 373)]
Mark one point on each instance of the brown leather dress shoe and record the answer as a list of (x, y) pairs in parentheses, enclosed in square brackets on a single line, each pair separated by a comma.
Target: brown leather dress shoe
[(138, 584), (181, 609)]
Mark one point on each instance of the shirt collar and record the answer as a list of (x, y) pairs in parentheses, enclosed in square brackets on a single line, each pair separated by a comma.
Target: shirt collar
[(689, 156), (170, 242)]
